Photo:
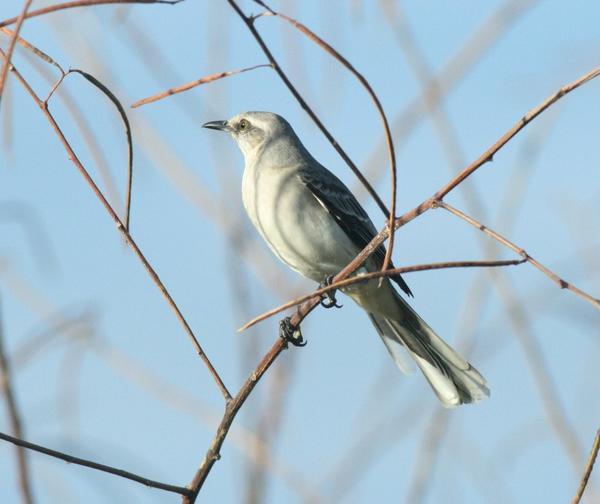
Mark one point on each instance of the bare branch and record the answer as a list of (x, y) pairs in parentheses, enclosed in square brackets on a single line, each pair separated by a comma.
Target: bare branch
[(82, 3), (30, 47), (11, 46), (563, 284), (204, 80), (377, 274), (95, 465), (489, 154), (128, 238), (588, 469), (109, 94), (231, 410)]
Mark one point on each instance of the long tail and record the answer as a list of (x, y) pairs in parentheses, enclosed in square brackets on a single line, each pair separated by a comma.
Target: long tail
[(453, 379)]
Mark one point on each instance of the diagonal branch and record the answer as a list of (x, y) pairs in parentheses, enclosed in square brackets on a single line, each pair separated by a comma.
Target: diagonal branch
[(588, 469), (95, 465), (563, 284), (11, 46), (378, 274), (125, 232), (204, 80), (82, 3)]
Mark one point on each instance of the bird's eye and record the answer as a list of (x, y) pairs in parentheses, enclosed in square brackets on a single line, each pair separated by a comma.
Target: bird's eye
[(243, 125)]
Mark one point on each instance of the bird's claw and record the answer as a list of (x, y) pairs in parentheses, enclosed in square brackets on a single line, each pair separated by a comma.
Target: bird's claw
[(328, 300), (290, 333)]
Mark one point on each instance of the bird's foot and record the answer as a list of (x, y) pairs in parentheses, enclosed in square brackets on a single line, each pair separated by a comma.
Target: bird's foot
[(328, 300), (290, 333)]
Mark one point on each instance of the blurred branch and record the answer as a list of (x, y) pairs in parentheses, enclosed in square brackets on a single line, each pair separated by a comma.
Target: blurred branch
[(204, 80), (249, 22), (11, 46), (82, 3), (453, 71), (563, 284), (94, 465), (378, 274), (14, 418), (474, 301), (588, 469), (40, 243), (43, 105)]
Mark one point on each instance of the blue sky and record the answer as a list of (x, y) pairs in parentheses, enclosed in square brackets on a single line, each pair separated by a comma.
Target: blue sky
[(103, 370)]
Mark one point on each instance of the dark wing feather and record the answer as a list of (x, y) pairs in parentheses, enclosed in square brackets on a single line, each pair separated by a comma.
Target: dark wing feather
[(347, 212)]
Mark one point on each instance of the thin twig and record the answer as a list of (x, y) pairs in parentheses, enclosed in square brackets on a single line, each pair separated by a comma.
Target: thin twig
[(95, 465), (249, 22), (588, 469), (563, 284), (204, 80), (82, 3), (386, 127), (11, 46), (378, 274), (14, 418), (30, 47), (121, 227), (110, 95)]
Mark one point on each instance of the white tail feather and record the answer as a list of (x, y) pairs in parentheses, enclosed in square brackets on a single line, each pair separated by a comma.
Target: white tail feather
[(453, 379)]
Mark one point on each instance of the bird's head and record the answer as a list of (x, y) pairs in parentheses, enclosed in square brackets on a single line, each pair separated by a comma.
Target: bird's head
[(252, 131)]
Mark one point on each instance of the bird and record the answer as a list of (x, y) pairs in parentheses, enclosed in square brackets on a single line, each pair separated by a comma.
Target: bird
[(313, 223)]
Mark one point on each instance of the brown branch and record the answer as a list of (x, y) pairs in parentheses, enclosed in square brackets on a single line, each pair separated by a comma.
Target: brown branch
[(518, 126), (588, 469), (82, 3), (386, 127), (563, 284), (14, 419), (249, 22), (127, 236), (204, 80), (109, 94), (30, 47), (378, 274), (11, 46), (231, 410), (95, 465)]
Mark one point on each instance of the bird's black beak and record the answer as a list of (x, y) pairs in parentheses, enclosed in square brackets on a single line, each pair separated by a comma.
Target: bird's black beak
[(216, 125)]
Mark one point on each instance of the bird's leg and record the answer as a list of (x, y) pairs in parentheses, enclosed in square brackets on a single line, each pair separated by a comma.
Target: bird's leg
[(328, 300), (290, 333)]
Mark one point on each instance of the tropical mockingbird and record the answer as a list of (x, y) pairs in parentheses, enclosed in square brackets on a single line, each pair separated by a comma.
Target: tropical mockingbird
[(314, 224)]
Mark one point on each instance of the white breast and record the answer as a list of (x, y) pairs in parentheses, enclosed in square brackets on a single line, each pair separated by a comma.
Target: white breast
[(298, 229)]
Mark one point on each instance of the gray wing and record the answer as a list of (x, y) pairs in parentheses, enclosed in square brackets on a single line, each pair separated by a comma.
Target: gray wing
[(347, 212)]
